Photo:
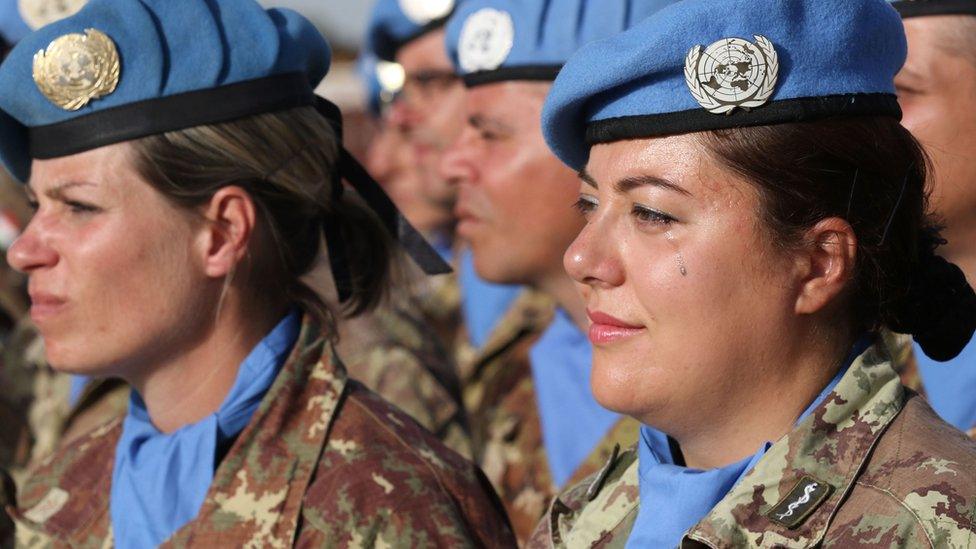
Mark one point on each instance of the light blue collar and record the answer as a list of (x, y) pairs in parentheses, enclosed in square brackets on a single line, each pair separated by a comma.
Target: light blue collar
[(951, 386), (160, 480), (573, 423), (674, 498), (482, 304)]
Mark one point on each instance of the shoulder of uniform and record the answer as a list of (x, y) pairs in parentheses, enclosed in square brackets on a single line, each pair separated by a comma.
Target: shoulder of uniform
[(927, 467), (378, 463), (374, 438)]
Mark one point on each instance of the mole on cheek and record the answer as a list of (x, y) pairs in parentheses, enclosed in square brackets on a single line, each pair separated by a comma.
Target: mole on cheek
[(677, 254)]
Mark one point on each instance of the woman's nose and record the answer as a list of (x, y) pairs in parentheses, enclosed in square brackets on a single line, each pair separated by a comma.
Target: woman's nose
[(592, 259), (29, 252)]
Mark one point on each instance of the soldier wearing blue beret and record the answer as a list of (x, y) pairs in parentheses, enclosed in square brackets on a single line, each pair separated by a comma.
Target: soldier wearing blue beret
[(534, 421), (935, 90), (428, 115), (755, 215), (185, 177)]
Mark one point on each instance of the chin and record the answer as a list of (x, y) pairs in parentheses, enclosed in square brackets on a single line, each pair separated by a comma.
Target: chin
[(621, 391)]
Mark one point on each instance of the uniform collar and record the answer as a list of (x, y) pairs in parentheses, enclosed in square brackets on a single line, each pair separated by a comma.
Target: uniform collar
[(830, 447), (288, 431), (794, 491)]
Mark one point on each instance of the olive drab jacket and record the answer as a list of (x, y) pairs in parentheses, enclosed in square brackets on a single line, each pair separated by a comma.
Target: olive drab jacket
[(323, 463), (873, 466), (504, 417)]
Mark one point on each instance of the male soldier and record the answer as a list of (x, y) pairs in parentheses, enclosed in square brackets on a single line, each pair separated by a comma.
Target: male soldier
[(936, 90), (426, 115), (535, 424)]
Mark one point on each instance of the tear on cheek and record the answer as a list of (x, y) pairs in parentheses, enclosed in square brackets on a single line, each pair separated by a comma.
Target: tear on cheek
[(677, 254)]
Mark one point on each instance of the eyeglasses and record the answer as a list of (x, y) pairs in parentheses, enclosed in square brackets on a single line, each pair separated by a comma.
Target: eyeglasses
[(425, 87)]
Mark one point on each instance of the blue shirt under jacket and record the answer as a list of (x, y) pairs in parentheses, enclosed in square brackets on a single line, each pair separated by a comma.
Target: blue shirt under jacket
[(160, 480), (951, 386)]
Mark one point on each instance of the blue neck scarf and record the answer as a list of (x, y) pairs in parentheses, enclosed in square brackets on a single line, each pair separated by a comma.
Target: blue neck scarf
[(950, 386), (482, 304), (160, 480), (573, 423), (674, 498)]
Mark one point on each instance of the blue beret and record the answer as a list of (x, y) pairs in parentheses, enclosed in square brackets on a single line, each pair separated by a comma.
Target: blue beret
[(12, 24), (496, 40), (918, 8), (395, 23), (701, 65), (122, 69), (18, 18)]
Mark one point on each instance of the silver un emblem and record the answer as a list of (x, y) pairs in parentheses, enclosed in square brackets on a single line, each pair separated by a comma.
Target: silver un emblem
[(732, 73), (486, 40)]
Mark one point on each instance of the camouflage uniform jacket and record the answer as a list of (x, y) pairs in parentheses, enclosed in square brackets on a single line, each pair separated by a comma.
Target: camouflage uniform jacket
[(394, 352), (871, 467), (41, 417), (323, 463), (506, 427)]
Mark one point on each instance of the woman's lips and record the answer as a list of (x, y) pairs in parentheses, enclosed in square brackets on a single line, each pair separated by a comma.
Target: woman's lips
[(606, 329), (44, 306)]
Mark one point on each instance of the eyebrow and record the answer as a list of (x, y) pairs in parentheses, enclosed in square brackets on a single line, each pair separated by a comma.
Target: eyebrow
[(57, 192), (630, 183)]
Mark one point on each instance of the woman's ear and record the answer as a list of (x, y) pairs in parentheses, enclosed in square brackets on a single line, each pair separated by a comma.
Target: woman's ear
[(827, 262), (228, 227)]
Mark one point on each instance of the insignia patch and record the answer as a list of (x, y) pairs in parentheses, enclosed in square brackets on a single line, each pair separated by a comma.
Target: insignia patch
[(486, 40), (38, 13), (76, 68), (802, 500), (422, 12), (732, 73)]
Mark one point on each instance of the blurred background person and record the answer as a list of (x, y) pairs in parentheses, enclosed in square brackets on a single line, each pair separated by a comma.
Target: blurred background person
[(535, 423), (936, 90)]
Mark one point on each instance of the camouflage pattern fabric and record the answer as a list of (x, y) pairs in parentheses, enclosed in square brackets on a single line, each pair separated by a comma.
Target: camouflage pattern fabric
[(37, 399), (504, 416), (395, 353), (877, 466), (324, 462)]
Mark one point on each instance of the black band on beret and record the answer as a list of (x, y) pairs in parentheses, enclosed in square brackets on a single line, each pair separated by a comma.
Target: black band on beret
[(544, 73), (919, 8), (175, 112), (777, 112)]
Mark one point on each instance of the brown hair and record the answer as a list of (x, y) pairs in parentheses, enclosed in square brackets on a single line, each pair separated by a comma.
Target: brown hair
[(869, 171), (286, 161)]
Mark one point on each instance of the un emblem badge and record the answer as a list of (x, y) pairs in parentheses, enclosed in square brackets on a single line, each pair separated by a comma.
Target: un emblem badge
[(732, 73), (76, 68), (486, 40)]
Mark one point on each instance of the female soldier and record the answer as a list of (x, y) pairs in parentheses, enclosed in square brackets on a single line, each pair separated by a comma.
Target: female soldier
[(755, 214), (184, 175)]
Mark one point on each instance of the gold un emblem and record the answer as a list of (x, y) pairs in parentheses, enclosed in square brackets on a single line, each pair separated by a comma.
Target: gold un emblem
[(732, 73), (76, 68)]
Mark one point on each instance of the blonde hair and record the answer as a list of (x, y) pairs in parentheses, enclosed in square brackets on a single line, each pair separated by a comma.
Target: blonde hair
[(287, 162)]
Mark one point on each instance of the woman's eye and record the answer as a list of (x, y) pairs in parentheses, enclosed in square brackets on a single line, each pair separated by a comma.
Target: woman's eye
[(647, 215), (585, 205), (80, 207)]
